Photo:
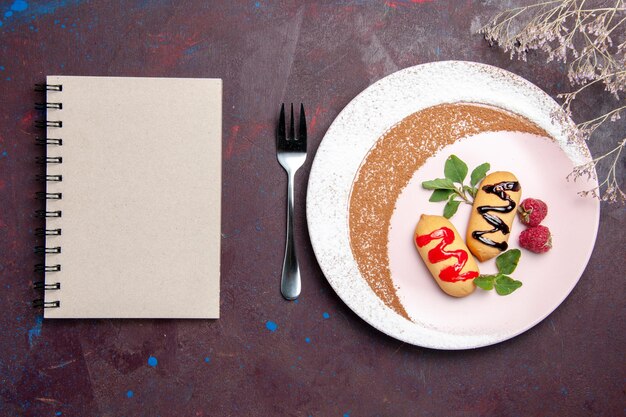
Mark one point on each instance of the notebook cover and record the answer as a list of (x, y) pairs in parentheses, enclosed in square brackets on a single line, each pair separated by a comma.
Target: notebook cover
[(141, 197)]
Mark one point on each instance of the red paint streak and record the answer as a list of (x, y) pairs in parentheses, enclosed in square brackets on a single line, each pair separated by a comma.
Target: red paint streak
[(242, 139), (230, 143), (2, 184), (313, 121), (439, 253), (26, 122), (258, 128), (168, 49), (395, 4)]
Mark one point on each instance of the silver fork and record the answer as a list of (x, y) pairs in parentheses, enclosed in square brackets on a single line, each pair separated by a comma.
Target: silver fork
[(291, 154)]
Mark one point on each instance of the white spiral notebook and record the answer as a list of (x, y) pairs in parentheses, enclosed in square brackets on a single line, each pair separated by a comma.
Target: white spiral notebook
[(133, 193)]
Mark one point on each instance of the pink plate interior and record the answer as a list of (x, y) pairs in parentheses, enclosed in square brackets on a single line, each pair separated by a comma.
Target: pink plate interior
[(542, 168)]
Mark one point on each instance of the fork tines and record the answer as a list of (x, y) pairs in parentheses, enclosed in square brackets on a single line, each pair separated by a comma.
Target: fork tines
[(289, 141)]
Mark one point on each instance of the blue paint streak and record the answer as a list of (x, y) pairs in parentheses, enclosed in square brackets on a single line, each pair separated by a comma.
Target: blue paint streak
[(4, 154), (326, 315), (39, 9), (346, 414), (152, 361), (51, 6), (58, 413), (307, 339), (32, 11), (564, 391), (271, 326), (207, 359), (36, 330), (257, 4), (19, 6), (192, 49), (130, 393)]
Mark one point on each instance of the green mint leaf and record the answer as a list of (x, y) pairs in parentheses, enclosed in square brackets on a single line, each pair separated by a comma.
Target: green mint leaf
[(438, 184), (451, 208), (485, 282), (479, 173), (440, 195), (506, 285), (507, 261), (455, 169)]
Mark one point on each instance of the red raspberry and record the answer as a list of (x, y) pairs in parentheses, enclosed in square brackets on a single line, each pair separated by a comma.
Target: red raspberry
[(536, 239), (532, 211)]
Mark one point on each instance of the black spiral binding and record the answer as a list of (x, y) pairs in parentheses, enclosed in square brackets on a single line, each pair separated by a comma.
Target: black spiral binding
[(48, 87), (42, 214), (48, 141), (38, 303), (47, 268), (45, 195), (49, 178), (43, 249), (40, 285), (45, 106)]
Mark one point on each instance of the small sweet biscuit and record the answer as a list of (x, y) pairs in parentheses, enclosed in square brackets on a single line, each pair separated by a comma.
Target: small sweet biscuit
[(446, 256), (492, 215)]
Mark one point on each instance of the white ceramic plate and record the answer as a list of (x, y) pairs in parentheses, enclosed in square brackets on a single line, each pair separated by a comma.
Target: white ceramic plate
[(437, 320)]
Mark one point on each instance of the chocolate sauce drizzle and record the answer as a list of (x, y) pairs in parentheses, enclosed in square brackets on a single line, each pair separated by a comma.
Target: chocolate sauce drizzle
[(498, 224)]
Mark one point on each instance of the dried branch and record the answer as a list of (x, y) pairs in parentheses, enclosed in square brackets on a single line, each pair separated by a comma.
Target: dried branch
[(592, 35)]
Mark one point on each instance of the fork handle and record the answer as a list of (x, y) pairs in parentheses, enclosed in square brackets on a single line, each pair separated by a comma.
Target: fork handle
[(290, 285)]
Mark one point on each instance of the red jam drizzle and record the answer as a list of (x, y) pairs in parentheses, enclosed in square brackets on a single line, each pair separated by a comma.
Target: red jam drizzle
[(439, 253), (498, 224)]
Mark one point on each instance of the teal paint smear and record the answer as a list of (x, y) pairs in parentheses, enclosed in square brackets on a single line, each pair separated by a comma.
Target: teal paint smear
[(35, 332)]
